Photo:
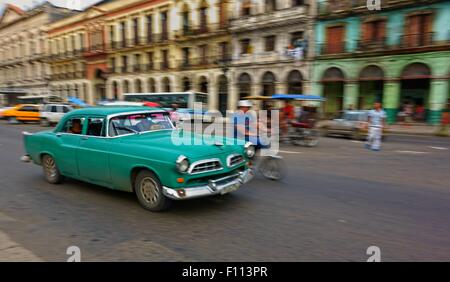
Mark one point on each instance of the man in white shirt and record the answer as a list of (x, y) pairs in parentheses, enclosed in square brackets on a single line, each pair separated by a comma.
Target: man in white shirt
[(377, 118)]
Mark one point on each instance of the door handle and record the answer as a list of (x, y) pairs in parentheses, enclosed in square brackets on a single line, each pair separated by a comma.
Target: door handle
[(84, 138)]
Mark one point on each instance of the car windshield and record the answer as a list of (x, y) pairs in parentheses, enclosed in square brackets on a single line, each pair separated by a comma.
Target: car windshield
[(139, 123)]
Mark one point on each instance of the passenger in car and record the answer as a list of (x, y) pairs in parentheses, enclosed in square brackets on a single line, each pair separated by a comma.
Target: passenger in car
[(76, 127)]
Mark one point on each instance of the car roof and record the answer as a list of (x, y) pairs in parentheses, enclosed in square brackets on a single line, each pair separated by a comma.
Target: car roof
[(106, 111)]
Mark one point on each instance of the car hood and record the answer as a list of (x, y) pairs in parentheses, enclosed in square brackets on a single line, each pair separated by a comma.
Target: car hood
[(188, 144)]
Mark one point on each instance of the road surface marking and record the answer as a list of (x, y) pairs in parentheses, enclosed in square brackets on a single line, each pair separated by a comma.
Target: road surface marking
[(11, 251), (289, 152), (412, 152), (357, 142), (435, 148)]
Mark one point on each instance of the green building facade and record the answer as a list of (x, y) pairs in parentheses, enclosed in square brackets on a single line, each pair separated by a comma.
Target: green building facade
[(399, 55)]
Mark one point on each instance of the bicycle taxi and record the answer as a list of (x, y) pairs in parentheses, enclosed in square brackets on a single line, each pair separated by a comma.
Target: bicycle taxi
[(300, 130)]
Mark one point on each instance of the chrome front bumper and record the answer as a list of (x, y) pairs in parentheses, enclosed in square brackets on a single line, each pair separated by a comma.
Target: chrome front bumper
[(219, 186)]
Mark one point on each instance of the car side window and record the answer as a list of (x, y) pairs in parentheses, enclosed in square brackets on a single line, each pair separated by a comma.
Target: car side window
[(96, 127), (66, 109), (54, 109), (73, 126), (26, 109)]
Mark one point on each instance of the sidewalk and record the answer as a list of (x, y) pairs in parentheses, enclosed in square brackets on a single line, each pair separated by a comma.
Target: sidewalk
[(420, 129)]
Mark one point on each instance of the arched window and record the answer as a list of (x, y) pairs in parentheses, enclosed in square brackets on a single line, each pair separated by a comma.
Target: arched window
[(185, 19), (268, 83), (126, 86), (115, 87), (372, 73), (138, 86), (416, 71), (295, 82), (151, 85), (186, 84), (245, 85), (166, 85), (203, 84), (333, 74), (246, 8), (271, 5), (203, 14)]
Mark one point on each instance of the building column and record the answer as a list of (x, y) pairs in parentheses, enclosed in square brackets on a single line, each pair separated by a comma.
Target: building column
[(213, 93), (351, 93), (281, 88), (232, 97), (89, 94), (438, 99), (391, 98), (109, 90), (81, 91)]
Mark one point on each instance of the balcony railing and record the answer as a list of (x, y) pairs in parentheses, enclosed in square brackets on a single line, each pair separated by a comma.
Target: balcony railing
[(407, 42), (417, 40), (341, 7), (200, 62)]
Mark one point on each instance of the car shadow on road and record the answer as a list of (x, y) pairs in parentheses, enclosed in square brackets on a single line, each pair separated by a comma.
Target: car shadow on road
[(185, 208)]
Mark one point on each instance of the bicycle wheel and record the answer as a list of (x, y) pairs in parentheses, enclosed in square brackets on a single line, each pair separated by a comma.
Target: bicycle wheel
[(273, 168), (312, 138)]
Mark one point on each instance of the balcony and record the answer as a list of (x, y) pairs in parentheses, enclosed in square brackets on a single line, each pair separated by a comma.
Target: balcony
[(194, 32), (201, 62), (339, 8), (406, 44), (263, 19)]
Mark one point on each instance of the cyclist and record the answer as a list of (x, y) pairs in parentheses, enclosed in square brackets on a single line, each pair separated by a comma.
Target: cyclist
[(246, 125)]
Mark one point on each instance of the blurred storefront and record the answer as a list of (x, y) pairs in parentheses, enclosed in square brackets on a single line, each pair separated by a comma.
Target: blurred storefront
[(398, 56)]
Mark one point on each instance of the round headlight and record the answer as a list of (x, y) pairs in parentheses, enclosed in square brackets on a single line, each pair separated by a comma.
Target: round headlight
[(250, 150), (182, 164)]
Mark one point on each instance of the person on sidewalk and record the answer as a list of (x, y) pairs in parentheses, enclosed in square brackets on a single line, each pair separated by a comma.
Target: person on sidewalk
[(377, 118)]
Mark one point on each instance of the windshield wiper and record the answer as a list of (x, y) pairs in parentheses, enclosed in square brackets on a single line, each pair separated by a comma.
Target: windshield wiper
[(127, 128)]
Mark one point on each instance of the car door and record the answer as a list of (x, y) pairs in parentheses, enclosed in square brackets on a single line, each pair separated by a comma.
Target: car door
[(93, 152), (66, 149)]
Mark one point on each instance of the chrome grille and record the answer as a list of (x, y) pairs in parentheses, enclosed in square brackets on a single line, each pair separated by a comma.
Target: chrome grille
[(205, 166), (234, 160)]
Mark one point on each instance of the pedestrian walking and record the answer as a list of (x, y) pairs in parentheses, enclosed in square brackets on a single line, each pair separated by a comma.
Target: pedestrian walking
[(377, 118)]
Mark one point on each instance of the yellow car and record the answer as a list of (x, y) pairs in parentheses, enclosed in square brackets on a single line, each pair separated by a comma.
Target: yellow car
[(22, 113)]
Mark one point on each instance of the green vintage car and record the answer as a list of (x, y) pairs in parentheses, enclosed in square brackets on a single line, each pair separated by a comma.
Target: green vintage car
[(137, 149)]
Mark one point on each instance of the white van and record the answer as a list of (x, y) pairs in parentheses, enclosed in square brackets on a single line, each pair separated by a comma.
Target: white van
[(51, 114)]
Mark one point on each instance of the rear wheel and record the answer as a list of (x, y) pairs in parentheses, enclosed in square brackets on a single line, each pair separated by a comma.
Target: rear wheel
[(51, 171), (149, 192)]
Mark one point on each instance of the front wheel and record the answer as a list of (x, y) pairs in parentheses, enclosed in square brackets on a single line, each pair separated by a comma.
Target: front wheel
[(273, 168), (51, 170), (149, 192)]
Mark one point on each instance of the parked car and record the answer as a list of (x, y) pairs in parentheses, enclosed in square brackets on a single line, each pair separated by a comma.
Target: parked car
[(22, 113), (352, 124), (52, 113), (134, 150)]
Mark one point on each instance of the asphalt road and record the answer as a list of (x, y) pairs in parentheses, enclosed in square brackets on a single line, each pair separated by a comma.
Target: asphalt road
[(337, 200)]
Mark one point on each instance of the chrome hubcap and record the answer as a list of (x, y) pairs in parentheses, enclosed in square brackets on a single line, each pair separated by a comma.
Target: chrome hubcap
[(50, 167), (150, 190)]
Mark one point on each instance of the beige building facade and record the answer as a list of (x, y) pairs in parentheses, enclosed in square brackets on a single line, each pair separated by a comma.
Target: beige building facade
[(23, 51)]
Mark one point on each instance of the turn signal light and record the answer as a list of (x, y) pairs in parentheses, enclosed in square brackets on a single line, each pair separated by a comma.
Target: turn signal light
[(181, 193), (180, 180)]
